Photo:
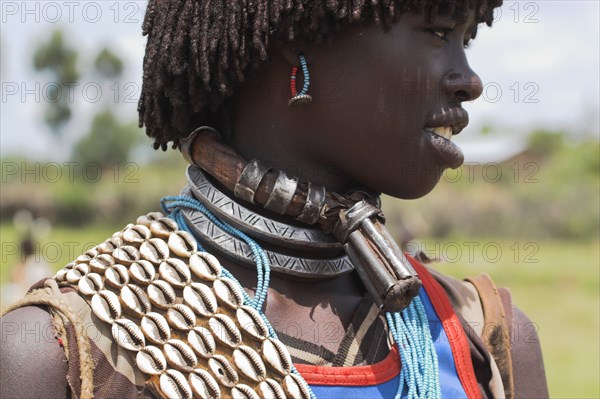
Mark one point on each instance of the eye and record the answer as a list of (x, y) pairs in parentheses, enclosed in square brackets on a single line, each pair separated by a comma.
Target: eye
[(442, 33)]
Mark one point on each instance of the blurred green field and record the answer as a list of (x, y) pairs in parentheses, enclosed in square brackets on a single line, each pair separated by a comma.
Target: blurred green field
[(556, 283)]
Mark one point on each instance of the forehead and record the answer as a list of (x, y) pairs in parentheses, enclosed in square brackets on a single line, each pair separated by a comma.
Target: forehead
[(458, 16)]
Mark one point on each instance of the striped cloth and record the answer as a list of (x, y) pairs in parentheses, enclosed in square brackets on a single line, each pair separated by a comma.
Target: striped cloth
[(366, 341)]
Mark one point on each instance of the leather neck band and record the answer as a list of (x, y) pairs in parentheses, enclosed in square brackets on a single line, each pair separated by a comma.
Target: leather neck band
[(256, 183)]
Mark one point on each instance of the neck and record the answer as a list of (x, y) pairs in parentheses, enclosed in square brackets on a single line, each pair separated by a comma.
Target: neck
[(355, 220), (275, 152)]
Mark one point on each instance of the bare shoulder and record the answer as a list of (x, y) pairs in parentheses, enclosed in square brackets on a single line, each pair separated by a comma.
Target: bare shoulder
[(32, 363), (528, 363)]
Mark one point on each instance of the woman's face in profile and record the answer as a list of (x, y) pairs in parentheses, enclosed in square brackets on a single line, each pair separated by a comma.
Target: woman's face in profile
[(392, 102)]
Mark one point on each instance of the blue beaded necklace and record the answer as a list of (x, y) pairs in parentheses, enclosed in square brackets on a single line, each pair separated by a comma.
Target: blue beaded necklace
[(419, 371)]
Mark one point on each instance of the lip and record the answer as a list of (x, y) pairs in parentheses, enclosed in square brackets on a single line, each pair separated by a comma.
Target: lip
[(450, 153), (457, 118)]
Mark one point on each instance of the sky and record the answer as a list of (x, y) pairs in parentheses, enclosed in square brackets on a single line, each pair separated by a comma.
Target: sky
[(539, 65)]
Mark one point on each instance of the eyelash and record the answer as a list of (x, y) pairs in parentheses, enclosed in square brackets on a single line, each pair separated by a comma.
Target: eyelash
[(444, 35)]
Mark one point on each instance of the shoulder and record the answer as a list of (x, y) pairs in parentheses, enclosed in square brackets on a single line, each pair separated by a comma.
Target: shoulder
[(507, 333), (33, 363)]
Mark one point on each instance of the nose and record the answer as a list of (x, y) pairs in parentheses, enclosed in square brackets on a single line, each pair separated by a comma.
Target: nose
[(462, 86)]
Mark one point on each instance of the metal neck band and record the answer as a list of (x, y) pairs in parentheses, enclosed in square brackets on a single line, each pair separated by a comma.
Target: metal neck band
[(353, 219), (324, 256)]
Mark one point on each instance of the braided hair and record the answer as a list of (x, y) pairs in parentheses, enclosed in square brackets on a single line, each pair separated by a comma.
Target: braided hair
[(198, 51)]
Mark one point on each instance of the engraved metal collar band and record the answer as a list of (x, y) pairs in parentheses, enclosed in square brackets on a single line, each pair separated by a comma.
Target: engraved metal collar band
[(327, 260), (354, 219)]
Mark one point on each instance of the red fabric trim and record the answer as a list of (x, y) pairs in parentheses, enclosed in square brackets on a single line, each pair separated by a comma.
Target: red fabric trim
[(374, 374), (453, 329)]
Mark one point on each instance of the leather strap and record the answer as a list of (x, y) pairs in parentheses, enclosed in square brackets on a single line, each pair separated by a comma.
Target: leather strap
[(496, 332)]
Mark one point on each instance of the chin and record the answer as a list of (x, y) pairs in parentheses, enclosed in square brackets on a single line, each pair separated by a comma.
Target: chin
[(412, 189)]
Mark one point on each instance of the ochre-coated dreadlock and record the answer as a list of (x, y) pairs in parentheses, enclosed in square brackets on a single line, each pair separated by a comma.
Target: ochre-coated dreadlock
[(199, 50)]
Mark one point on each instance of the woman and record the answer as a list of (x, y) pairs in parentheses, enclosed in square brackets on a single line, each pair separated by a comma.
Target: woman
[(301, 113)]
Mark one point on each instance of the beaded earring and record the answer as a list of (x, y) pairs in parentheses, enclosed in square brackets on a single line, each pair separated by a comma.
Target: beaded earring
[(302, 97)]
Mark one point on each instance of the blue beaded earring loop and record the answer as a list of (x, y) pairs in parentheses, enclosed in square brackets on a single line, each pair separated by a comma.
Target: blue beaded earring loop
[(302, 97)]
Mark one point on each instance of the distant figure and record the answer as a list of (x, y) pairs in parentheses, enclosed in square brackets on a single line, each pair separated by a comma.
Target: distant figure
[(30, 266)]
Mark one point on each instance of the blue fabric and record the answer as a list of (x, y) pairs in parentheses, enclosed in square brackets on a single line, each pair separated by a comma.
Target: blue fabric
[(450, 383)]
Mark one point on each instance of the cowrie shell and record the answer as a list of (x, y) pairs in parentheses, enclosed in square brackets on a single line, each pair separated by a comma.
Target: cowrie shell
[(128, 335), (135, 300), (100, 263), (142, 272), (77, 272), (181, 243), (151, 360), (200, 298), (119, 234), (250, 364), (116, 276), (149, 218), (175, 272), (126, 254), (136, 234), (243, 391), (180, 316), (179, 355), (271, 389), (163, 227), (156, 328), (295, 387), (106, 306), (204, 385), (61, 275), (108, 246), (276, 356), (228, 292), (155, 250), (202, 342), (205, 266), (161, 294), (87, 256), (224, 330), (90, 284), (174, 385), (84, 268), (223, 371), (127, 226), (252, 323)]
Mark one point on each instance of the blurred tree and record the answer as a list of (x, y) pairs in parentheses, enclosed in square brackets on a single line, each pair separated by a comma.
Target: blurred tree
[(60, 59), (108, 64), (108, 142)]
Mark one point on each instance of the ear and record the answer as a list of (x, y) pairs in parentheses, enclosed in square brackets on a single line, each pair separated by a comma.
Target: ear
[(290, 52)]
